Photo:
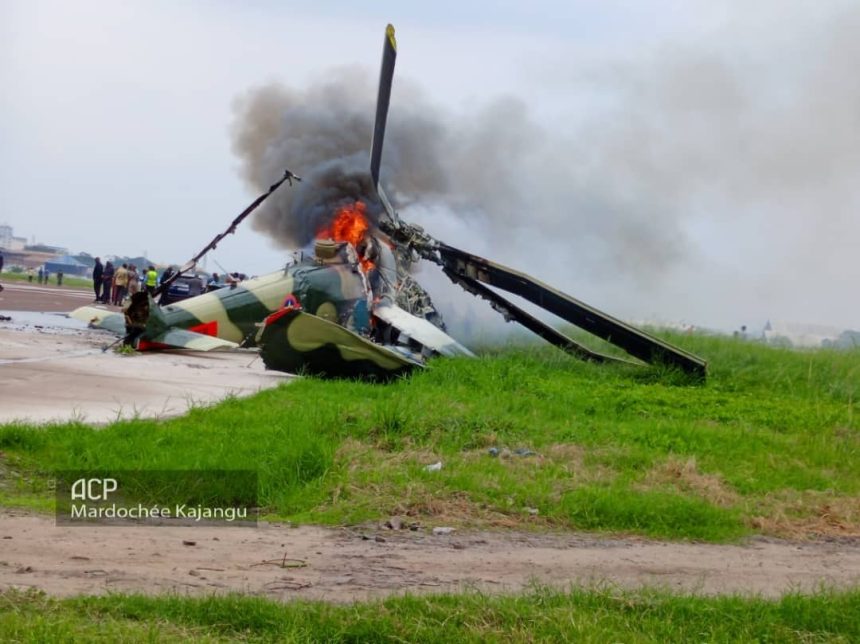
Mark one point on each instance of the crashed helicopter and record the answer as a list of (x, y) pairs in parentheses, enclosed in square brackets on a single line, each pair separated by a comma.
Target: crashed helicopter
[(349, 306)]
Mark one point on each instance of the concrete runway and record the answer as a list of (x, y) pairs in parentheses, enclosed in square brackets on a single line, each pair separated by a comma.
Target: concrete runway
[(53, 369), (23, 296)]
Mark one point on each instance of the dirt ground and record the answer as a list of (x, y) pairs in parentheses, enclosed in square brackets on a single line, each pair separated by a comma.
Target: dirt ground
[(283, 563), (52, 368)]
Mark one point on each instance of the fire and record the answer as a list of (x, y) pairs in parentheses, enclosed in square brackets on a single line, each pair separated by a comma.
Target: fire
[(350, 225)]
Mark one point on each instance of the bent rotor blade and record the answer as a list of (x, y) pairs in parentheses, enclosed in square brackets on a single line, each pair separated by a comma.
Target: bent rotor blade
[(190, 264), (383, 98), (468, 269), (513, 312)]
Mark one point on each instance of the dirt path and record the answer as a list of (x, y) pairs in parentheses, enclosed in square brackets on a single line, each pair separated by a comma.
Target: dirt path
[(345, 565)]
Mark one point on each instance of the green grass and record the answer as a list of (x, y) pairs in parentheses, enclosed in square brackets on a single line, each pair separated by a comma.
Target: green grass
[(539, 615), (769, 444)]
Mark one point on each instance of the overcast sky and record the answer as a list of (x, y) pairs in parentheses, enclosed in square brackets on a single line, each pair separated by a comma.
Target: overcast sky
[(116, 117)]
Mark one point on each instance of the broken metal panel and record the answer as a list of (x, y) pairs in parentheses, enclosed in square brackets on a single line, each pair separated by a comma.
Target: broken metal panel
[(231, 229), (421, 330)]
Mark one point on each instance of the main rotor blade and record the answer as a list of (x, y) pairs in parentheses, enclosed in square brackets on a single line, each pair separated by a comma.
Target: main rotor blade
[(188, 266), (386, 74), (638, 343), (513, 312)]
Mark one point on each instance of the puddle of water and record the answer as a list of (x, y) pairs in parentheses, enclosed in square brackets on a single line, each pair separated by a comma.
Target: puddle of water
[(36, 322), (52, 324)]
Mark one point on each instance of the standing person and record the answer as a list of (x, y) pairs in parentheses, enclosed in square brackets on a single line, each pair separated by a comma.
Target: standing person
[(151, 280), (107, 283), (30, 275), (166, 275), (133, 280), (98, 269), (47, 276), (1, 268), (41, 274), (59, 278), (120, 278)]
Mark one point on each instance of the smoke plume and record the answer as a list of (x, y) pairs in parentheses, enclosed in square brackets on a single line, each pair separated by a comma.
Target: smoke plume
[(714, 182)]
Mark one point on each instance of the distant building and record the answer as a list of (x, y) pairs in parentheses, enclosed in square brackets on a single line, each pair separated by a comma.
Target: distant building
[(68, 266), (801, 335), (44, 248), (8, 241), (27, 259)]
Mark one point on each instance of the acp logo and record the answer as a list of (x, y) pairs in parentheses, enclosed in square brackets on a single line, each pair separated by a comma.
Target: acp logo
[(93, 489)]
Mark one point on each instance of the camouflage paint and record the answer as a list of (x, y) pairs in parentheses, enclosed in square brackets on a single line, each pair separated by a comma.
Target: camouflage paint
[(296, 341), (237, 309), (325, 337)]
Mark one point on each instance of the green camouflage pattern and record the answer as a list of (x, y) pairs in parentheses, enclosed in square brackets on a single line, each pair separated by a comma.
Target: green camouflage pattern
[(330, 291), (329, 335), (299, 342)]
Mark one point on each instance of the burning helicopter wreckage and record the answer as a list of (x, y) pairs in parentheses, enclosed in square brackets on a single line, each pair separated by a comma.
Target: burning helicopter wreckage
[(349, 306)]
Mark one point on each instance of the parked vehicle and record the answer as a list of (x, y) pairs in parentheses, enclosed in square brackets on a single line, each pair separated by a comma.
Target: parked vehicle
[(182, 288)]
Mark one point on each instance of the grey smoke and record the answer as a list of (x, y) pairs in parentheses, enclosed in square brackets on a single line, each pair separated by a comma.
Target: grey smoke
[(715, 182), (323, 134), (492, 166)]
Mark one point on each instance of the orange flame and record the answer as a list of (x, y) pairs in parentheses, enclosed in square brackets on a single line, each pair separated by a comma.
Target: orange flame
[(350, 225)]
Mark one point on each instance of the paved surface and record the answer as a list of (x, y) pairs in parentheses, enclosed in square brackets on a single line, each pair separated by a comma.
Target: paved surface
[(22, 296), (52, 368)]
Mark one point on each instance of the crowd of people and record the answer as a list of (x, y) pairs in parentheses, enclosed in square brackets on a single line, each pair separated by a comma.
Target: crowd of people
[(43, 275), (113, 284)]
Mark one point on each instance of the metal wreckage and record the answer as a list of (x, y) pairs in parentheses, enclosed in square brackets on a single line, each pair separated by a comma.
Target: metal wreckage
[(350, 306)]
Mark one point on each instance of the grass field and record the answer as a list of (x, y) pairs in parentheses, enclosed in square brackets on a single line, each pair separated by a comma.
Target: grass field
[(769, 445), (540, 615)]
